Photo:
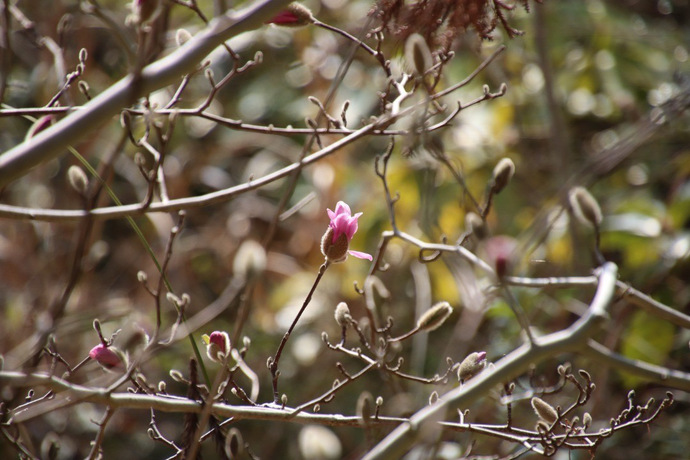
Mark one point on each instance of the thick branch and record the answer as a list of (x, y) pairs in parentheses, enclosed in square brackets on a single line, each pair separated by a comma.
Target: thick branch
[(48, 144), (80, 393), (514, 364)]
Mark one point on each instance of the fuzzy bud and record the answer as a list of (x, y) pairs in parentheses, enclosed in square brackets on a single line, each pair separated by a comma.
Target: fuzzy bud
[(585, 207), (587, 420), (217, 345), (544, 410), (234, 445), (434, 317), (472, 365), (77, 179), (250, 260), (108, 357), (342, 315), (177, 376), (365, 408), (182, 36), (335, 251), (39, 125), (502, 174), (418, 54), (475, 225), (295, 15)]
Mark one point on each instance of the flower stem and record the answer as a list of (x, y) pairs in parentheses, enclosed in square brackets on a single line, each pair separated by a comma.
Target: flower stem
[(274, 361)]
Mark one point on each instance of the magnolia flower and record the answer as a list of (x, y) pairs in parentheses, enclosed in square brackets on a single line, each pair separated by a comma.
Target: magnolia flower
[(107, 357), (341, 229)]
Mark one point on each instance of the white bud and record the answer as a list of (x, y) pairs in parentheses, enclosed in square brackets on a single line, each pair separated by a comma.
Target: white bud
[(342, 314), (417, 54), (544, 410), (250, 260), (182, 36), (585, 206), (502, 174), (319, 443), (434, 317), (77, 179)]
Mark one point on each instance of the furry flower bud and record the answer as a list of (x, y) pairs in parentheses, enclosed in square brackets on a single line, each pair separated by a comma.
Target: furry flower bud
[(77, 179), (342, 314), (544, 410), (250, 260), (472, 365), (434, 317), (502, 174), (365, 407), (585, 206), (417, 54), (39, 125), (475, 225), (334, 250)]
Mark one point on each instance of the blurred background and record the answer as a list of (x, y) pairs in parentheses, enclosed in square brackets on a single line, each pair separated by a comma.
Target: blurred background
[(582, 83)]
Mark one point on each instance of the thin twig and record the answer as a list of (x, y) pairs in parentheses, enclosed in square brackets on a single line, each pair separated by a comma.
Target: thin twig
[(273, 363)]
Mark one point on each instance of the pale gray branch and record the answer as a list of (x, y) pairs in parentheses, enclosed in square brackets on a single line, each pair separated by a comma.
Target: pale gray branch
[(660, 374), (80, 393), (50, 143), (624, 290), (517, 362)]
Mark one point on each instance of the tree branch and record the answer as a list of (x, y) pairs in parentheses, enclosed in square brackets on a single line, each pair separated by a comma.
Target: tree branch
[(50, 143)]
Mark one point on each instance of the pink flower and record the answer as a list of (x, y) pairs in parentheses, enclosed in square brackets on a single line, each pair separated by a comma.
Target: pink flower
[(105, 356), (342, 227)]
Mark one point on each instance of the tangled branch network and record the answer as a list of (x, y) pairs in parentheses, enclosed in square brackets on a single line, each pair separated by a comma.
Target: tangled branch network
[(118, 331)]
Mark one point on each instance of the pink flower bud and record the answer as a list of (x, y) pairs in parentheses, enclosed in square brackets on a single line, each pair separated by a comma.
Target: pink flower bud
[(217, 345), (106, 356), (295, 15)]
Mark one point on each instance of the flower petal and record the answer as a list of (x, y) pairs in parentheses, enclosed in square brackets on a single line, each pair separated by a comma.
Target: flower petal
[(361, 255), (342, 208), (340, 225)]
